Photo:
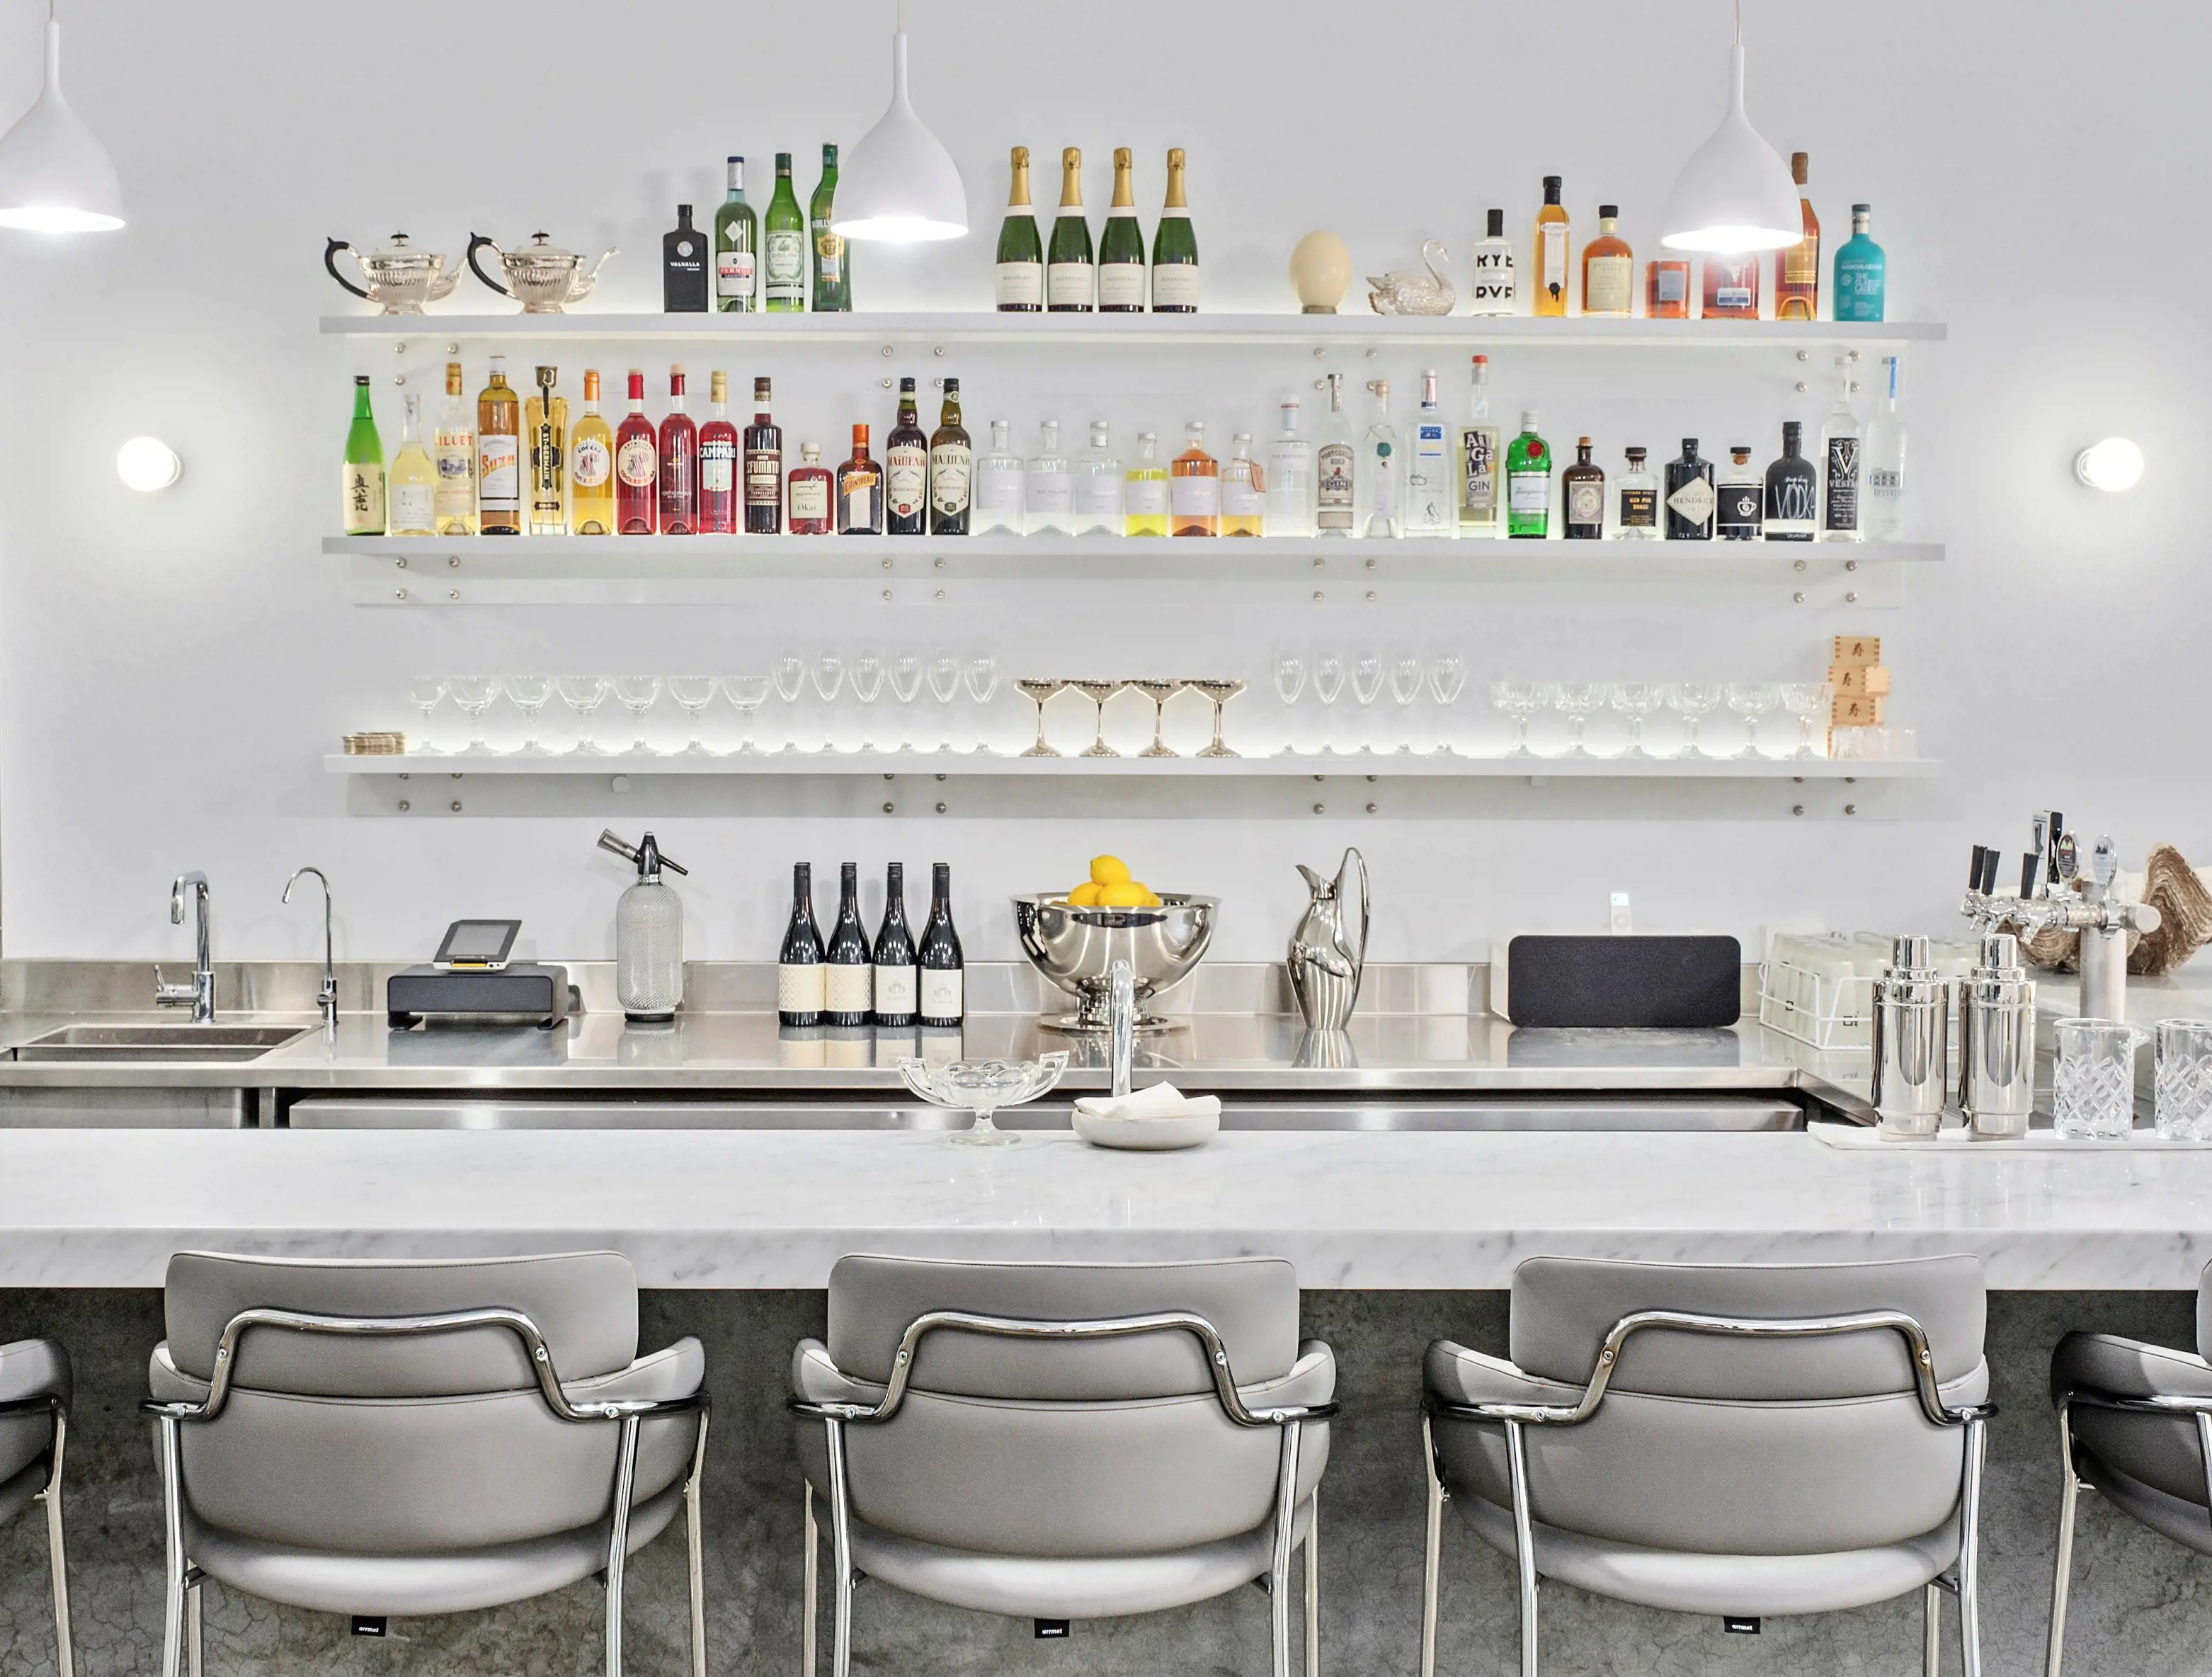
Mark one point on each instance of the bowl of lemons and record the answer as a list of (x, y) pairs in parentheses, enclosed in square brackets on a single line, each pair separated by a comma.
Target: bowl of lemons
[(1074, 936)]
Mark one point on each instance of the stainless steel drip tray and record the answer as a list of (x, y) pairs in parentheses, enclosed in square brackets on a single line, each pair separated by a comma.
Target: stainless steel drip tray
[(1702, 1112)]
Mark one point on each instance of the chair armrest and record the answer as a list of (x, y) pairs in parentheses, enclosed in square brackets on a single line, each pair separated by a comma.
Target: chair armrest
[(34, 1372)]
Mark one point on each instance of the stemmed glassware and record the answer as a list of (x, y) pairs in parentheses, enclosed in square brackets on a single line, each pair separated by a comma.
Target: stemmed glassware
[(983, 1086), (1159, 692), (1805, 701), (906, 683), (828, 671), (1693, 701), (868, 685), (1635, 700), (789, 673), (1576, 700), (474, 695), (529, 694), (695, 694), (1405, 688), (1447, 681), (638, 694), (1040, 692), (746, 694), (1221, 692), (980, 677), (1521, 701), (1098, 692), (1290, 671), (944, 683), (1751, 700), (1328, 683), (423, 692), (584, 694), (1366, 686)]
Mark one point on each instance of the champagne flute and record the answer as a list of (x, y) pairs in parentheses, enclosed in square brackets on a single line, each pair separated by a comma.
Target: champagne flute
[(1405, 688), (1328, 683), (746, 694), (980, 676), (827, 671), (1039, 692), (1290, 671), (944, 683), (583, 695), (789, 673), (1366, 685), (529, 694), (1159, 692), (1098, 692), (868, 679), (1447, 681), (906, 683), (638, 694), (423, 692), (695, 694)]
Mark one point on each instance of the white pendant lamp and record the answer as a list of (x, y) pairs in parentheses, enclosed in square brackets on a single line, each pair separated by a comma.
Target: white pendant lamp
[(1734, 195), (54, 176), (899, 186)]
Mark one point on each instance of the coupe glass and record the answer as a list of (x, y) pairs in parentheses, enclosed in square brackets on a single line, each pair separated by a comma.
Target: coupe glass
[(980, 677), (1039, 692), (423, 693), (868, 688), (983, 1086), (695, 694), (1521, 701), (1221, 692), (906, 683), (1751, 700), (1692, 701), (638, 694), (746, 694), (1576, 700), (474, 695), (1805, 701), (1635, 700), (1159, 692), (1098, 692), (584, 694), (529, 694)]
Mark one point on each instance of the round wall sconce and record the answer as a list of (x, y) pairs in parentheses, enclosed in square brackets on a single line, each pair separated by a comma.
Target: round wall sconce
[(147, 464), (2113, 465)]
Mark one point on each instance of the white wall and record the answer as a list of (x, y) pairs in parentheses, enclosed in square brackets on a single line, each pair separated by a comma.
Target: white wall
[(175, 665)]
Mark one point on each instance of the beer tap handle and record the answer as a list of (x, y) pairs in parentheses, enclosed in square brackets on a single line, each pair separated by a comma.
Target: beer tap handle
[(1989, 881), (2029, 864), (1974, 867)]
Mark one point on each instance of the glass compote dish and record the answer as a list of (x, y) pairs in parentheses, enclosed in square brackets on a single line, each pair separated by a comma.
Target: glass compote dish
[(983, 1086), (1522, 701)]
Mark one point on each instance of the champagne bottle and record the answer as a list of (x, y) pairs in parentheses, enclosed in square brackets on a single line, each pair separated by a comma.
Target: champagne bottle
[(800, 986), (848, 987), (499, 455), (1121, 247), (1067, 277), (906, 470), (952, 473), (833, 259), (364, 467), (1021, 251), (783, 247), (944, 1003), (1174, 249), (896, 990)]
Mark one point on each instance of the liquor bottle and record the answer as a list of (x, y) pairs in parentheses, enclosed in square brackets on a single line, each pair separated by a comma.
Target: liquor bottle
[(737, 239), (545, 419), (1476, 464), (1067, 271), (411, 486), (1243, 490), (1666, 288), (783, 247), (1608, 268), (1885, 463), (1194, 486), (1529, 483), (1175, 248), (592, 467), (1047, 487), (719, 448), (848, 991), (1552, 252), (684, 266), (906, 470), (1731, 288), (1493, 291), (808, 489), (1690, 499), (894, 956), (763, 442), (1381, 490), (1021, 251), (1797, 270), (944, 1003), (1582, 492), (1336, 461), (1635, 494), (1097, 496), (637, 463), (1743, 497), (1145, 491), (1121, 247), (951, 468), (1289, 478), (456, 460), (677, 464), (1429, 468), (1841, 439), (499, 455), (1862, 270), (800, 985), (833, 261), (998, 482), (860, 491), (1793, 490)]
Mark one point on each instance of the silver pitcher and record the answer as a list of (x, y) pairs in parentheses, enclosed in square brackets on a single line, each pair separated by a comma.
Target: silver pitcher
[(1329, 950)]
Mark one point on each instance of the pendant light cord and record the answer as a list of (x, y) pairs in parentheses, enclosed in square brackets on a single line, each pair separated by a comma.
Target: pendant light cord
[(1739, 21)]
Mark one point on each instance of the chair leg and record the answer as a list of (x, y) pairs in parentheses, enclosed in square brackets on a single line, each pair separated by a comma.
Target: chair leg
[(1432, 1554), (173, 1585), (193, 1659), (57, 1549), (618, 1540), (1970, 1568), (694, 1539), (1524, 1544), (2062, 1572), (1931, 1637), (1278, 1577), (807, 1635), (841, 1555), (1313, 1586)]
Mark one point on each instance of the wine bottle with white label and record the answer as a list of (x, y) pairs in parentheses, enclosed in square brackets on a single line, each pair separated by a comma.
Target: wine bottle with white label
[(1122, 245), (1021, 251), (896, 983), (800, 984), (1174, 249), (943, 1000), (848, 970), (1067, 273)]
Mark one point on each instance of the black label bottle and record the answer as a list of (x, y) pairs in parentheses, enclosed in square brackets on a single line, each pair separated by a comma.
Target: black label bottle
[(1743, 497), (764, 467), (1690, 499), (943, 998), (849, 971), (1582, 487), (896, 984), (799, 985), (951, 468), (906, 470), (1793, 490), (684, 267)]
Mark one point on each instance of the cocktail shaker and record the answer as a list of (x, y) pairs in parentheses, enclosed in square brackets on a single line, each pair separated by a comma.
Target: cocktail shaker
[(1911, 1042), (1996, 1041)]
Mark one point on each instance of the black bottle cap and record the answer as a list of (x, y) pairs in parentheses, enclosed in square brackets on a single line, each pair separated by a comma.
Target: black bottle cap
[(684, 215), (1608, 211), (1551, 185), (905, 386), (1637, 454), (1861, 209), (1496, 225), (1689, 445), (953, 386), (1793, 430)]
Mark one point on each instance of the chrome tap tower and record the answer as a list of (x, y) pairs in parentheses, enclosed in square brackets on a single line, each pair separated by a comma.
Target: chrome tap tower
[(2055, 892)]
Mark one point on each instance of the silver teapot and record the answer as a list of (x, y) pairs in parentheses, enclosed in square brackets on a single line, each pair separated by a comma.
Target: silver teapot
[(1329, 950), (401, 279), (541, 277)]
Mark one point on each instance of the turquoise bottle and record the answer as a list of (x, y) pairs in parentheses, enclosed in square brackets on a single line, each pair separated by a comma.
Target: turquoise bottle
[(1861, 271)]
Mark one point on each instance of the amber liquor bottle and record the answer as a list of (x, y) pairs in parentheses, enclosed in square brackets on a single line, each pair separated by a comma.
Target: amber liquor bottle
[(1582, 487), (906, 470), (861, 491), (1797, 270)]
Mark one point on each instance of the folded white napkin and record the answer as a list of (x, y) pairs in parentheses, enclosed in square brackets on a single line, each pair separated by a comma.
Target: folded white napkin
[(1158, 1100)]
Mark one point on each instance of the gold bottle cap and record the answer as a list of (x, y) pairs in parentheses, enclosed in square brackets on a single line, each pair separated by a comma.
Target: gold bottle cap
[(717, 386), (1021, 157), (1072, 158), (1123, 157)]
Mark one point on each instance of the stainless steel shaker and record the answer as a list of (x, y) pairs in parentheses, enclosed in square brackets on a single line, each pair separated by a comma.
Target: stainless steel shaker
[(1996, 1041), (1911, 1042)]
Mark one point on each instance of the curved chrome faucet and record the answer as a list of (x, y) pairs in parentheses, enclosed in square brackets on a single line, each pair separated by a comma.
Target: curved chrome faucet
[(1121, 1018), (327, 999), (199, 994)]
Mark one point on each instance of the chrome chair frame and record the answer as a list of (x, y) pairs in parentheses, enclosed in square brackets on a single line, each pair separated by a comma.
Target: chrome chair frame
[(1963, 1581), (1289, 1419), (181, 1612), (56, 1550)]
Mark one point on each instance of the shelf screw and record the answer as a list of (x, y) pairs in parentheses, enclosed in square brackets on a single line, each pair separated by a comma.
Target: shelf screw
[(1317, 596), (456, 807), (1851, 598), (887, 564), (889, 807), (451, 559), (399, 377), (938, 561), (887, 352), (1797, 565), (1371, 594), (452, 348), (1319, 351), (402, 594), (885, 383), (1372, 778), (404, 805), (1371, 809), (1801, 386), (400, 348), (1317, 780), (939, 351), (887, 597), (619, 783), (1850, 779), (1799, 597), (940, 809), (1797, 809), (1373, 355), (1850, 355), (456, 775), (1321, 809), (1802, 355), (1320, 564), (453, 593), (940, 779), (401, 562), (887, 778), (1850, 564), (1371, 564), (404, 777), (940, 593), (1851, 809)]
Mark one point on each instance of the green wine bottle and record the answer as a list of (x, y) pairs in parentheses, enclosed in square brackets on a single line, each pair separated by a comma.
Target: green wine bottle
[(1174, 249), (1121, 247), (364, 467), (783, 247), (833, 273), (737, 238), (1021, 251), (1067, 274)]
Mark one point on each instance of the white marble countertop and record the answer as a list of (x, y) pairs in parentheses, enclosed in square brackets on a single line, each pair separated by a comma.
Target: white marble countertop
[(773, 1209)]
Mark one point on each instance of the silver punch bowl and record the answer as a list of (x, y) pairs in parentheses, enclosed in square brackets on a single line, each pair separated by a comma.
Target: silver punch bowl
[(1075, 947)]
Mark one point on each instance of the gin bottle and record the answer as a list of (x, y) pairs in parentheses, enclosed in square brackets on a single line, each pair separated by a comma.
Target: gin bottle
[(999, 484), (1528, 483), (1429, 469), (1196, 485), (1493, 291), (1793, 489), (1884, 477), (1097, 497), (1243, 490), (1382, 471), (1048, 490), (1840, 441), (1336, 460), (1290, 485), (1476, 467), (1690, 499), (1582, 491), (1144, 490), (1743, 497), (1636, 501)]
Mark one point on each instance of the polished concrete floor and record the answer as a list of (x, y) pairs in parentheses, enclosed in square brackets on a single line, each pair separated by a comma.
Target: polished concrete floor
[(2141, 1605)]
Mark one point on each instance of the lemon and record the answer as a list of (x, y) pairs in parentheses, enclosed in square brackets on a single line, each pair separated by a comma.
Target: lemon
[(1085, 895), (1151, 898), (1122, 896), (1109, 871)]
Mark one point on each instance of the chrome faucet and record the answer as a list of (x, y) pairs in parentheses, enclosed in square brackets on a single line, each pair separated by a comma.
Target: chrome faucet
[(327, 997), (1121, 1024), (199, 994)]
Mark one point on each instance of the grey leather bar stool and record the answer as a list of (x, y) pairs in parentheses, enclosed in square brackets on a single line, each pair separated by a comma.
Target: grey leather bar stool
[(411, 1439), (2135, 1425), (1722, 1439), (35, 1400), (1064, 1441)]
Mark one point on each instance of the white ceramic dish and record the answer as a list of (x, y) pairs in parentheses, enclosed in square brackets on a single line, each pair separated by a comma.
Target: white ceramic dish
[(1185, 1124)]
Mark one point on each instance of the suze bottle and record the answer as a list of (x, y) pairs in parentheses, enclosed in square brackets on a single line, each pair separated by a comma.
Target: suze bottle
[(800, 987), (591, 466), (943, 1002), (1020, 280), (1841, 439), (1175, 248), (1493, 291), (763, 442), (1581, 493), (849, 990), (1476, 463), (906, 470), (637, 460), (1429, 468), (1690, 499), (1122, 245), (499, 455), (1067, 272), (1335, 463), (1529, 483), (783, 247), (1862, 270), (679, 464), (718, 449), (1289, 497), (1793, 490), (1884, 484), (737, 234), (1382, 471), (1000, 477), (897, 989), (1743, 497)]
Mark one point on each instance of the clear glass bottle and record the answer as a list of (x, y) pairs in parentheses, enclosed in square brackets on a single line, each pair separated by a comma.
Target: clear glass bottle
[(1243, 490), (1476, 464), (1608, 268), (1382, 488), (1861, 271), (1528, 483), (1047, 487), (1842, 438), (1289, 478), (1636, 501), (1690, 499), (1493, 291), (1549, 296), (1581, 496), (999, 486), (1884, 511), (412, 485), (1098, 486), (1196, 486), (648, 936), (1429, 468), (1336, 463), (1793, 490), (1743, 497), (1144, 490), (456, 444)]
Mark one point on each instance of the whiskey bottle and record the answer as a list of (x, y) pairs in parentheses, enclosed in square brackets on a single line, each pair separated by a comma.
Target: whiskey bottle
[(807, 490), (800, 987), (1743, 497), (499, 455), (1797, 270), (412, 485), (1289, 478), (1020, 252), (737, 238), (592, 467), (1144, 490), (1067, 274), (1529, 483), (1047, 487), (860, 491), (1243, 490), (783, 247), (906, 470), (1608, 268), (1194, 486), (1885, 463), (1493, 291), (677, 468), (684, 266), (637, 465), (1477, 462), (848, 964), (942, 999), (1862, 270), (545, 418), (951, 468), (1582, 487), (1690, 500), (1666, 288), (1336, 458), (1121, 247), (1097, 496), (763, 442), (894, 956), (1793, 490), (1552, 252), (1429, 468), (999, 484), (1381, 487), (1175, 248), (1840, 441), (718, 450), (1731, 288), (456, 445), (833, 270), (1635, 494)]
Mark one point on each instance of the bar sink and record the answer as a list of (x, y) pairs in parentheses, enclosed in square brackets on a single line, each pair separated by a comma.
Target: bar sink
[(127, 1043)]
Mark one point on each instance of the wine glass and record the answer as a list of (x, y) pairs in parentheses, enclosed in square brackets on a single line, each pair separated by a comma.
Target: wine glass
[(1521, 701), (1039, 692), (474, 695), (529, 694), (638, 694), (695, 694), (1751, 700), (583, 695), (1098, 692), (789, 674), (423, 692), (1366, 686), (1447, 681), (1692, 701), (1159, 692), (1221, 692), (1635, 700), (1405, 688), (746, 694), (980, 677), (944, 683), (829, 673), (1576, 700), (1805, 701), (906, 683), (1290, 672), (983, 1086), (867, 686)]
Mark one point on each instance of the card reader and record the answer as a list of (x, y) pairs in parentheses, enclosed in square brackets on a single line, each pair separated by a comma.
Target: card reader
[(471, 981)]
